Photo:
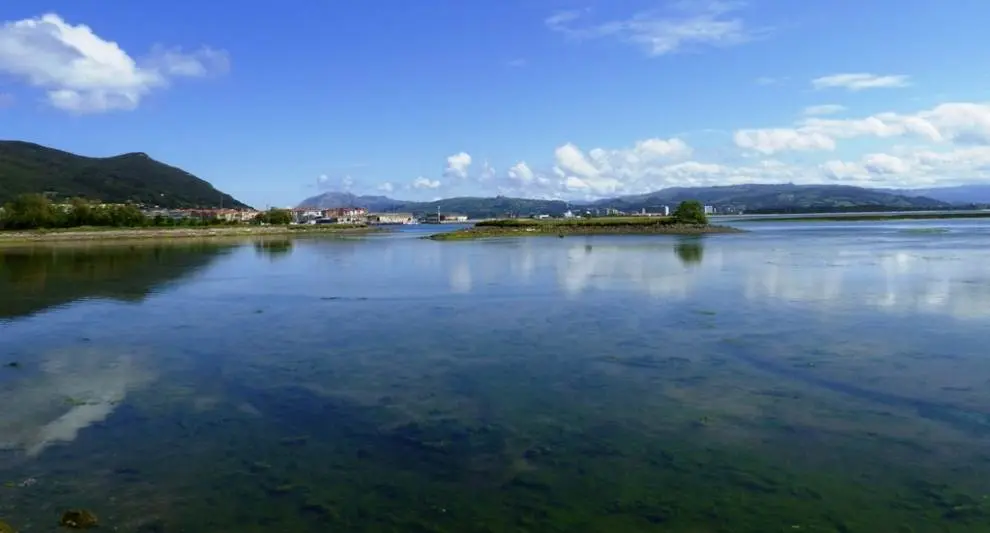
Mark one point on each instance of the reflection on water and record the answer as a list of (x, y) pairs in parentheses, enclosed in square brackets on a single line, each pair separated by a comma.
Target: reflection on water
[(690, 251), (773, 381), (273, 248), (35, 278), (67, 391)]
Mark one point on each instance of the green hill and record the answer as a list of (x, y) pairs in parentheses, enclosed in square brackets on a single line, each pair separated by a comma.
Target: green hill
[(32, 168), (778, 197), (474, 207), (749, 198)]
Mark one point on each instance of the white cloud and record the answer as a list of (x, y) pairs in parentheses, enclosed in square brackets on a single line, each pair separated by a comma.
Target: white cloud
[(197, 64), (913, 167), (687, 24), (823, 109), (965, 123), (885, 164), (458, 165), (487, 171), (83, 73), (425, 183), (773, 140), (859, 80), (386, 187), (601, 171), (520, 172)]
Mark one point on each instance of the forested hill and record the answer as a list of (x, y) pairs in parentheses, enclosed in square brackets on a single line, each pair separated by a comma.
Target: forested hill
[(135, 177), (783, 197)]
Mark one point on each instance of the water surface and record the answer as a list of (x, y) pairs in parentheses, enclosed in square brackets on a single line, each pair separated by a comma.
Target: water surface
[(801, 377)]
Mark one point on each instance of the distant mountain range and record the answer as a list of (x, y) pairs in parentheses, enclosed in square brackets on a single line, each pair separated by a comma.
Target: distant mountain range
[(134, 177), (962, 194), (749, 198), (471, 206)]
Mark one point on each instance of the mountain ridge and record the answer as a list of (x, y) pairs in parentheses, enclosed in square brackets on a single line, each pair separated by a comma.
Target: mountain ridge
[(133, 177), (749, 197)]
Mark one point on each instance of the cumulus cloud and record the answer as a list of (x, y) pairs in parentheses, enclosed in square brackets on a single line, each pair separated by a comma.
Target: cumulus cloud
[(458, 165), (823, 109), (950, 122), (859, 81), (773, 140), (81, 72), (911, 167), (601, 171), (659, 32), (425, 183), (386, 187), (521, 173)]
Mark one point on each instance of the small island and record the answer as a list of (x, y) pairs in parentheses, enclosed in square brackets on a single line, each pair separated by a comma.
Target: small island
[(688, 219)]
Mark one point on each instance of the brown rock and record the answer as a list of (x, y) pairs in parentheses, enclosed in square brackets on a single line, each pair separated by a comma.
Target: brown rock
[(78, 519)]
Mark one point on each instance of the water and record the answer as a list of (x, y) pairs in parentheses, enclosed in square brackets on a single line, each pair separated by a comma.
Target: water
[(826, 377)]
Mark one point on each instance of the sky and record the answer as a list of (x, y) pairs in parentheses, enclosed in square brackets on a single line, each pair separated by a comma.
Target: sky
[(574, 99)]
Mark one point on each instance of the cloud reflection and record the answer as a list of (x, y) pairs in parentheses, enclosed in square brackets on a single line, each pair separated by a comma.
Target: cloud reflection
[(67, 393), (890, 275)]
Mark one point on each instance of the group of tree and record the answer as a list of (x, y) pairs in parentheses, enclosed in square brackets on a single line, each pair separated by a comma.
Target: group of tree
[(33, 211), (690, 212), (273, 216), (36, 211)]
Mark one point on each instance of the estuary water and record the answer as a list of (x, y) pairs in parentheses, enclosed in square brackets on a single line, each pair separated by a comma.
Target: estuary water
[(812, 377)]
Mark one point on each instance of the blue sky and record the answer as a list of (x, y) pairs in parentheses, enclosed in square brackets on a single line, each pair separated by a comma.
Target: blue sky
[(548, 98)]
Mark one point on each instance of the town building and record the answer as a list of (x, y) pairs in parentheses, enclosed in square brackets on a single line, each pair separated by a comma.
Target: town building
[(391, 218), (305, 215), (445, 218)]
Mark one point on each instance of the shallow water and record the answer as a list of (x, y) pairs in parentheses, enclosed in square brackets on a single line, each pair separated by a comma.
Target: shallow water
[(825, 377)]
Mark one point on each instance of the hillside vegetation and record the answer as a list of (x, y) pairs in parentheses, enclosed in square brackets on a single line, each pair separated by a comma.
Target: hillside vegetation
[(782, 197), (27, 168), (749, 198)]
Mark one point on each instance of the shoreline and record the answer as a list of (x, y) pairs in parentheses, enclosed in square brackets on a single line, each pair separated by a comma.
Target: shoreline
[(90, 235), (562, 230)]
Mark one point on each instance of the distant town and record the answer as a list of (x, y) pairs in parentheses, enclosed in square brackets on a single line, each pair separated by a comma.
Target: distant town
[(360, 215)]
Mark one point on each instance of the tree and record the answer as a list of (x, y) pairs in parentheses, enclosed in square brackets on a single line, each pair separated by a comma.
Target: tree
[(274, 216), (690, 212), (29, 211)]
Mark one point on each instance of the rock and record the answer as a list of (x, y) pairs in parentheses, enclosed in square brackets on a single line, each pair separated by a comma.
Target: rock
[(78, 519)]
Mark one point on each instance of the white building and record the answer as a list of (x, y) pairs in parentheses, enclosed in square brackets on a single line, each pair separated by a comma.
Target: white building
[(709, 210)]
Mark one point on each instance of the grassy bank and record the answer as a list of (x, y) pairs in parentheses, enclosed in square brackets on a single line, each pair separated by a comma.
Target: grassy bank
[(125, 234), (871, 217), (580, 226)]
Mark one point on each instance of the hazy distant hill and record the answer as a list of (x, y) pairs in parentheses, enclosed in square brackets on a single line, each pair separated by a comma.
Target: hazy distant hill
[(786, 197), (329, 200), (962, 194), (32, 168), (498, 206)]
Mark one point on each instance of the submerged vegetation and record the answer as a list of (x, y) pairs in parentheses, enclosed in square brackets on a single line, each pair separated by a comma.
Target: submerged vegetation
[(711, 412)]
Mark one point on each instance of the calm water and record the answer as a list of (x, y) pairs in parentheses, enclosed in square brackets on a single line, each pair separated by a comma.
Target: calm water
[(802, 377)]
